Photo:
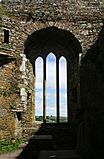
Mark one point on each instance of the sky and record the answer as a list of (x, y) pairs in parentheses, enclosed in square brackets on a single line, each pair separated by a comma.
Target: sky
[(50, 86)]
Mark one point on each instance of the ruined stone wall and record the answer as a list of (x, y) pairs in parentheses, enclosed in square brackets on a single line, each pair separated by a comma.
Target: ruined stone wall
[(56, 10), (13, 78), (12, 105), (82, 18), (8, 100)]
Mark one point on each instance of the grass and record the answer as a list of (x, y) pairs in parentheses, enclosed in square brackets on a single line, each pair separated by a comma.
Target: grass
[(9, 145)]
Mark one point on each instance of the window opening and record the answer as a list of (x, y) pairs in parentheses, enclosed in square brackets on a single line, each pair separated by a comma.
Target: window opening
[(39, 89), (19, 116), (6, 36), (63, 89), (49, 113), (51, 88)]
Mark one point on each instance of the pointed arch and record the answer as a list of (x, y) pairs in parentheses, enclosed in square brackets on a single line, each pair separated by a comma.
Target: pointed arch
[(39, 88), (63, 88), (61, 43), (51, 85)]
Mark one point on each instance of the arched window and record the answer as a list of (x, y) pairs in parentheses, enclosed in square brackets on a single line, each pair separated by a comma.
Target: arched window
[(60, 42), (39, 89), (63, 89), (51, 87)]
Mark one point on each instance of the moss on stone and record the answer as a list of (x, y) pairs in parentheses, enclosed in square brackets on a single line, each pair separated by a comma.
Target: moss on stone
[(4, 11)]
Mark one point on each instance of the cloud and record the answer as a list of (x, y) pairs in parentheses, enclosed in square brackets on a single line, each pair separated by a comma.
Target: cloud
[(51, 74), (39, 73), (39, 103), (51, 110)]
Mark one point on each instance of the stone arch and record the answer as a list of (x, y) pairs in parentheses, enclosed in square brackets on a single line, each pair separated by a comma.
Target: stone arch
[(62, 43), (51, 37)]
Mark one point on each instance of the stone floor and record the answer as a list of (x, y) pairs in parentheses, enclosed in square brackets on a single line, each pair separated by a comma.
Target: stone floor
[(11, 155), (58, 154), (51, 142)]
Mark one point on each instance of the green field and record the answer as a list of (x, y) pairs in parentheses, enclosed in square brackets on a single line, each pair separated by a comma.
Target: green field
[(51, 119)]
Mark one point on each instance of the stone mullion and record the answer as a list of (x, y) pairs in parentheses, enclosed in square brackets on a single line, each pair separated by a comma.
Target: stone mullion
[(44, 91), (34, 92), (68, 90), (57, 88), (78, 87)]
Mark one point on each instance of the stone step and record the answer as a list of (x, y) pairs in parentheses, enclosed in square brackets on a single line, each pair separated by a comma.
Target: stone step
[(51, 140), (41, 142), (63, 137), (47, 142)]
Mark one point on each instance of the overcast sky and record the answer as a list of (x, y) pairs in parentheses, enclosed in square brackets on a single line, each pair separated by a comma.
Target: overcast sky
[(51, 86)]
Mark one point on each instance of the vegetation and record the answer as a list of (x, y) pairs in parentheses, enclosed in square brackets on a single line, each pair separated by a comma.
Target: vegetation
[(9, 145), (51, 119)]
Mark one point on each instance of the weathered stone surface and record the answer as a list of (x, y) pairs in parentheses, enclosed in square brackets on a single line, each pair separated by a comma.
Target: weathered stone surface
[(52, 10), (84, 19)]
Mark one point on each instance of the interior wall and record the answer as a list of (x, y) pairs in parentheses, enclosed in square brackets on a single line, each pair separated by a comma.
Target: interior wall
[(92, 96)]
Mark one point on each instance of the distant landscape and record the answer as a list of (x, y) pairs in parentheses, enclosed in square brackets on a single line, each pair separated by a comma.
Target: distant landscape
[(51, 119)]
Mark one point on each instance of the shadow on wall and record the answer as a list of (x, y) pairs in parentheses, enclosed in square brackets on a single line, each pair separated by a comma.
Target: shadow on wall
[(92, 96), (5, 59)]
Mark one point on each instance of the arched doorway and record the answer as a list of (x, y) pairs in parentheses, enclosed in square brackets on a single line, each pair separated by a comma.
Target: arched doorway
[(63, 44)]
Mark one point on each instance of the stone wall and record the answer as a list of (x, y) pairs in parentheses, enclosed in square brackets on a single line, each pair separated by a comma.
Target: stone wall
[(12, 106), (56, 10), (92, 96), (13, 79), (9, 99), (82, 18)]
